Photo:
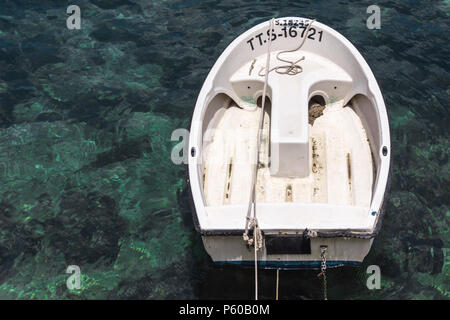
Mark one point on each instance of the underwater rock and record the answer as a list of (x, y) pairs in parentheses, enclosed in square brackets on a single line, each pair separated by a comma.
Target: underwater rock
[(112, 32), (88, 227), (111, 4), (8, 247), (122, 151), (41, 50), (49, 116)]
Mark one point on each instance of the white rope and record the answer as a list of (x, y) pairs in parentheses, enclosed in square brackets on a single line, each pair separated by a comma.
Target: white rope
[(253, 222), (256, 263), (277, 285), (292, 67)]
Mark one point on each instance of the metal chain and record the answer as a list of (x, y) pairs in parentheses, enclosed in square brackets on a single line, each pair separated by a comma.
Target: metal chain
[(323, 269)]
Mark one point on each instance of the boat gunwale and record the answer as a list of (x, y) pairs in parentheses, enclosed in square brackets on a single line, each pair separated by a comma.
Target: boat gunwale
[(348, 233)]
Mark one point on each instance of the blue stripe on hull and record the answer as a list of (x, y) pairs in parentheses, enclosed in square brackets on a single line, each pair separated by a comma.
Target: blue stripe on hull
[(271, 264)]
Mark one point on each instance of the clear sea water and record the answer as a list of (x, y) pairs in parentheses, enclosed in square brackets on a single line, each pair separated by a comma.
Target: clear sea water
[(86, 118)]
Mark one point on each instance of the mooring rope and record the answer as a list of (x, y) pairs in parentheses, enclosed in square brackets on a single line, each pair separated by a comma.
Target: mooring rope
[(277, 285), (292, 67), (253, 222)]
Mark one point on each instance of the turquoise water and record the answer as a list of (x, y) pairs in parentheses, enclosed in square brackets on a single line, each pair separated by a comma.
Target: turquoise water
[(86, 118)]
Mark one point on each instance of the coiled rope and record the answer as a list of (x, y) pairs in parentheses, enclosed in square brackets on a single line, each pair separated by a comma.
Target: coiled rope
[(292, 67)]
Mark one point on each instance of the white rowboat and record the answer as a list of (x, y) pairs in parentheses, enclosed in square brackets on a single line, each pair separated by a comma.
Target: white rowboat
[(323, 158)]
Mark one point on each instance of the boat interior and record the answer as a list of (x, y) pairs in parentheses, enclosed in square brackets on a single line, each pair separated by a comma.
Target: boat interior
[(317, 147), (340, 171)]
